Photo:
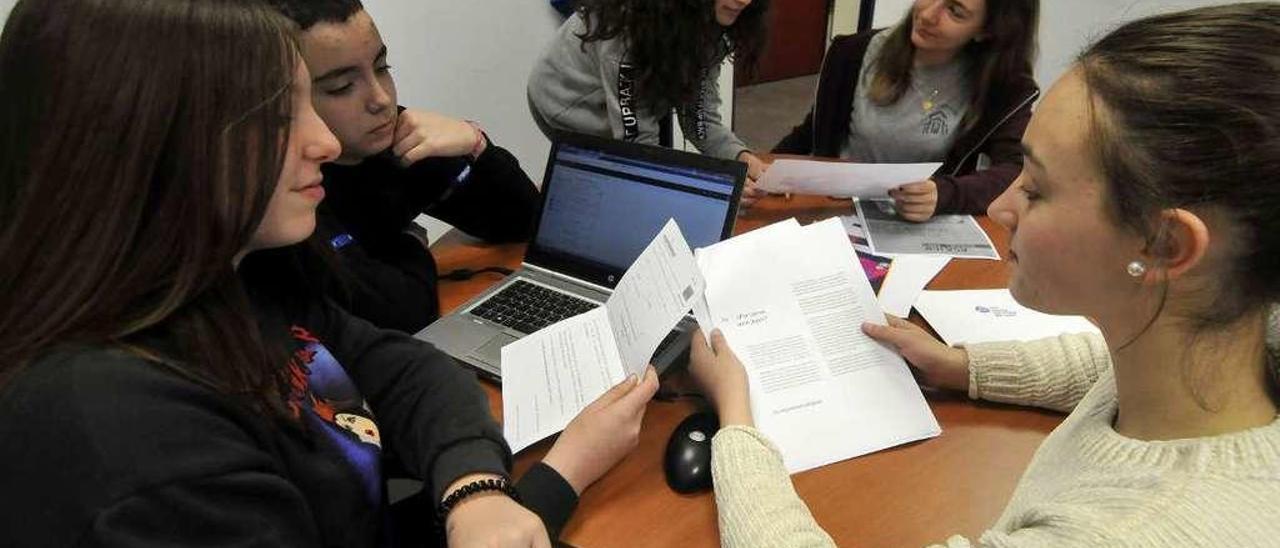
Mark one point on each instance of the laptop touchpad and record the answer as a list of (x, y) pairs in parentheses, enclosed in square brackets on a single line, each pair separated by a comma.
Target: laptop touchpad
[(491, 352)]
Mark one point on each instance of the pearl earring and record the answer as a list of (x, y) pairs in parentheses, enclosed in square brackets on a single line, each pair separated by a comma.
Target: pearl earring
[(1136, 269)]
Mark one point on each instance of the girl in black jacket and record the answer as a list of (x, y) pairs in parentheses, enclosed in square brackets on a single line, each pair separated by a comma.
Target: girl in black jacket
[(168, 374)]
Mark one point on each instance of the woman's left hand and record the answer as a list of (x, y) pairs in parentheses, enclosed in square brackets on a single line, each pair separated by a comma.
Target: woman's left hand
[(916, 201), (603, 433)]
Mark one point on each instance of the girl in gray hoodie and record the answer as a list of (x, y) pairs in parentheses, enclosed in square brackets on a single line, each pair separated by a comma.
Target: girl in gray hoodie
[(616, 67)]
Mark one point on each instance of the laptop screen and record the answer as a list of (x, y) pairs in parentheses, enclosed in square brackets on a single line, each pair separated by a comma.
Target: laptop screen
[(602, 207)]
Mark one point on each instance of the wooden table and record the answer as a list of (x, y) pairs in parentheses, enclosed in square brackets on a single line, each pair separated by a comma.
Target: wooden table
[(911, 495)]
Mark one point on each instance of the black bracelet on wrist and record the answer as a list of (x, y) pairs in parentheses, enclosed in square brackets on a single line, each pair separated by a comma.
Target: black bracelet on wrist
[(488, 484)]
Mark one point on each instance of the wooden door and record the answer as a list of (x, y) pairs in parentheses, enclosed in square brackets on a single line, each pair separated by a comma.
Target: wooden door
[(797, 40)]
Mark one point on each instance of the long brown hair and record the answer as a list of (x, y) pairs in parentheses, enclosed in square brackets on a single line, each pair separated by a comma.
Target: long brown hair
[(672, 43), (1188, 116), (140, 143), (1002, 57)]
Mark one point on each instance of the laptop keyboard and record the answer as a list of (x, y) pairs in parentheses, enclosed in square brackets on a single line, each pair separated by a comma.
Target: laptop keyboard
[(527, 307)]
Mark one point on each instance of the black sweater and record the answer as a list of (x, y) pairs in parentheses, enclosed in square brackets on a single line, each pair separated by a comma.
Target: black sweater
[(103, 448), (391, 276)]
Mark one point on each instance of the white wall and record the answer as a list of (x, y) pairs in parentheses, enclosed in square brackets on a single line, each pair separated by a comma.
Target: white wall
[(471, 60), (5, 6), (1066, 26), (844, 17)]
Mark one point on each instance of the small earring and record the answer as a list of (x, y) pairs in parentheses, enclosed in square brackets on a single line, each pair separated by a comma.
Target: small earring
[(1136, 269)]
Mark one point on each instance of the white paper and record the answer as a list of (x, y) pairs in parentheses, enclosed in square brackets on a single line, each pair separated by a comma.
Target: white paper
[(652, 296), (952, 235), (550, 376), (730, 260), (987, 315), (842, 178), (907, 277), (820, 389)]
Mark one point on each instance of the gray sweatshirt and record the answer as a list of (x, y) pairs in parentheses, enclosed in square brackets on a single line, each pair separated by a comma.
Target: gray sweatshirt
[(590, 89)]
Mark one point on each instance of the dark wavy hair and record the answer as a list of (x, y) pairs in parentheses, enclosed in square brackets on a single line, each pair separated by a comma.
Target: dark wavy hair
[(140, 143), (1003, 57), (307, 13), (672, 43)]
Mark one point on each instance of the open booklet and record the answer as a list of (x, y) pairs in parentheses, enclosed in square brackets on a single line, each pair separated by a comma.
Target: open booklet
[(551, 375), (790, 301)]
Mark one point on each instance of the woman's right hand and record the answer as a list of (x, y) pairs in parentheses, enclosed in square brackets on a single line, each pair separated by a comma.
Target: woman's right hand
[(941, 366), (603, 433)]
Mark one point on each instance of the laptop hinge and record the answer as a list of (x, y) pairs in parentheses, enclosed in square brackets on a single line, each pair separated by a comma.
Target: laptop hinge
[(564, 278)]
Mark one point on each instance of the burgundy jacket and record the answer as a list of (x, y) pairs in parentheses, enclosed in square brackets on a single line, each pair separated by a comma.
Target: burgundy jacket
[(961, 187)]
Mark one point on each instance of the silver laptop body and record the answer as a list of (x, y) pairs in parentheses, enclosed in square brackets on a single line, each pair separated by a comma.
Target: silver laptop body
[(602, 201)]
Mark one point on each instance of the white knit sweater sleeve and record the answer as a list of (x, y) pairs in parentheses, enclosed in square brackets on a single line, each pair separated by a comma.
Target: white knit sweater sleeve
[(756, 503), (1053, 373), (759, 508)]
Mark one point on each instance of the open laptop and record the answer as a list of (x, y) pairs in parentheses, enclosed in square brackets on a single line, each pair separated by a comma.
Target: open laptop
[(603, 201)]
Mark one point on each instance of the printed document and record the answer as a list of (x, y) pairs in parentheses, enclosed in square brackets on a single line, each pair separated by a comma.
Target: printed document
[(551, 375), (952, 235), (987, 315), (842, 179), (820, 389)]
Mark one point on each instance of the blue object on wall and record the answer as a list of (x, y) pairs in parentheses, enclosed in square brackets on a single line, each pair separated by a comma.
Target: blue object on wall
[(565, 7)]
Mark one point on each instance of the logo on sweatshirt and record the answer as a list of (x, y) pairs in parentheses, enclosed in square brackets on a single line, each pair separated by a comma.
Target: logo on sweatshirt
[(627, 101)]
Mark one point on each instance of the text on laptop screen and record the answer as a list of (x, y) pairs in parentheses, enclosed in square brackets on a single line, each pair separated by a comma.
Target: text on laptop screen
[(605, 208)]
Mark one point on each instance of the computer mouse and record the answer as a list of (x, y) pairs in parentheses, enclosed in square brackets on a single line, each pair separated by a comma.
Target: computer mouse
[(687, 462)]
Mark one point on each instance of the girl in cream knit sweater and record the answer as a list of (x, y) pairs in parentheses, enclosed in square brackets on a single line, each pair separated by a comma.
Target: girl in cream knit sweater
[(1149, 202)]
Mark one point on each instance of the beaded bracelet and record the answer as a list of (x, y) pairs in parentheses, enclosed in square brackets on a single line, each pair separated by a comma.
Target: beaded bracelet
[(478, 486)]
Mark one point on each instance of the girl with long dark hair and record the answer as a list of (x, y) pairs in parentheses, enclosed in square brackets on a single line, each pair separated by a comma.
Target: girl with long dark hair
[(617, 68), (951, 83), (169, 372)]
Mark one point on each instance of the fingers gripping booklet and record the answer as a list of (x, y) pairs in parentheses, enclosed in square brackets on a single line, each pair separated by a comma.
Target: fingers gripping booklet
[(790, 301), (551, 375)]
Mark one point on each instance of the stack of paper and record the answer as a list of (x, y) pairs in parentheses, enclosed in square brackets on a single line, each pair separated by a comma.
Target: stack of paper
[(820, 389), (987, 315)]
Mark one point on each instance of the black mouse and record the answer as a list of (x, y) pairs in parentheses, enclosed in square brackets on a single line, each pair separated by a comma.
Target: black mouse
[(688, 458)]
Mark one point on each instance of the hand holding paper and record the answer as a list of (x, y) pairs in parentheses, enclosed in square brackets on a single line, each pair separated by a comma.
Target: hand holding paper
[(842, 178), (552, 375)]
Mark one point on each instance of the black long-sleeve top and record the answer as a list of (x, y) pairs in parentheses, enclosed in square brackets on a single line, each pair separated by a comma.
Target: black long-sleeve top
[(368, 206), (100, 447)]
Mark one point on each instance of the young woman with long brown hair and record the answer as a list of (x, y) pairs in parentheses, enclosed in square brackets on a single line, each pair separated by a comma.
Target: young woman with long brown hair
[(169, 373), (1150, 204), (951, 83)]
